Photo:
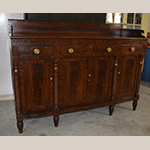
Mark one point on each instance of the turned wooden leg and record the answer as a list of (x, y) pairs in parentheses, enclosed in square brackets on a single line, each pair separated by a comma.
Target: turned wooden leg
[(56, 120), (134, 104), (20, 126), (111, 109)]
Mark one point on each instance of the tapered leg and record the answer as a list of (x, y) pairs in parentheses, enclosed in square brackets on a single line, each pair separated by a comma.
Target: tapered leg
[(134, 105), (20, 126), (111, 109), (56, 120)]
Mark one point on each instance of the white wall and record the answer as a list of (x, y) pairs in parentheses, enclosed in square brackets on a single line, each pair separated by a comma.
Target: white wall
[(5, 69)]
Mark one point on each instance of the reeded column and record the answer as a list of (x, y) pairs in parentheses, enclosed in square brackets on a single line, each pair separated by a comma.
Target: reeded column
[(111, 107), (56, 108), (17, 97)]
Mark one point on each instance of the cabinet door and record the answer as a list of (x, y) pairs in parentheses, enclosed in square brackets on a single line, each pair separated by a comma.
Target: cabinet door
[(100, 71), (72, 82), (128, 67), (35, 85)]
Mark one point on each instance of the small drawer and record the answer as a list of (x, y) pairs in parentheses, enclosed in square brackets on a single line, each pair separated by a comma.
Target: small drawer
[(106, 49), (129, 49), (35, 51), (69, 50)]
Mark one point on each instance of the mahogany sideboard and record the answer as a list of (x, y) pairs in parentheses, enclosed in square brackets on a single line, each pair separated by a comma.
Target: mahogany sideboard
[(62, 67)]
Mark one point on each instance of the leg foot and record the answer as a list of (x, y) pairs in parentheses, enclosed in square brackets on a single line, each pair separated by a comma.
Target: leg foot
[(111, 109), (20, 126), (56, 120), (134, 105)]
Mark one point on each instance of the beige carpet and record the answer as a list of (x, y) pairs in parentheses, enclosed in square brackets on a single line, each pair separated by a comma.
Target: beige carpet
[(95, 122)]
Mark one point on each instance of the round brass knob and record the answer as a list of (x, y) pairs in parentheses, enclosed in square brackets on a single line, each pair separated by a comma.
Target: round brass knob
[(132, 49), (108, 49), (118, 72), (36, 51), (51, 78), (70, 50), (89, 75)]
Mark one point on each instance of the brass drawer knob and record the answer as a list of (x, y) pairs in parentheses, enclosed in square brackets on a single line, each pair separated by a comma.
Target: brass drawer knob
[(51, 78), (70, 50), (108, 49), (132, 49), (89, 75), (118, 72), (36, 51)]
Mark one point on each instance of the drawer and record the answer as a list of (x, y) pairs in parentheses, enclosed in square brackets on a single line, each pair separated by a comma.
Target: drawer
[(68, 50), (131, 48), (95, 48), (35, 51)]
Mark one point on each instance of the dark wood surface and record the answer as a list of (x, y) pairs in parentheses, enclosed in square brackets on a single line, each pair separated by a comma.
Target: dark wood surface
[(55, 81)]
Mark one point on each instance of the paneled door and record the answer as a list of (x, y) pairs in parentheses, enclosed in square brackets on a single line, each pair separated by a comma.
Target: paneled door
[(127, 76), (36, 85), (72, 82), (99, 78)]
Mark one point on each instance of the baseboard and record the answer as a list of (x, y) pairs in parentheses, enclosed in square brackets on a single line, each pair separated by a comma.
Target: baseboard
[(5, 98)]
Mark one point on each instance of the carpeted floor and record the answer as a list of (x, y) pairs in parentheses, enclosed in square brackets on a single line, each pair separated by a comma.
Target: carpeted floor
[(94, 122)]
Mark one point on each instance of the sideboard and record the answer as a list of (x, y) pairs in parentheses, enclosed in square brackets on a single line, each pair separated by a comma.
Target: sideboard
[(62, 67)]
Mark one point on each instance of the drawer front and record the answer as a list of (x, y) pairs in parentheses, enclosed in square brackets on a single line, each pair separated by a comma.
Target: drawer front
[(35, 51), (131, 48), (69, 50), (88, 47)]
